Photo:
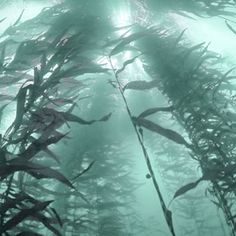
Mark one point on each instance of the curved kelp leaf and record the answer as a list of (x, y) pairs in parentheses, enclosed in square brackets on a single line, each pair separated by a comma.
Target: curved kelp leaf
[(170, 134), (73, 118), (13, 202), (36, 170), (230, 27), (62, 117), (126, 63), (140, 85), (169, 220), (28, 233), (179, 38), (23, 214), (217, 204), (186, 188), (151, 111), (42, 172), (19, 18), (77, 70), (84, 171), (59, 220), (190, 50), (50, 153), (3, 19), (40, 145), (125, 41), (20, 107)]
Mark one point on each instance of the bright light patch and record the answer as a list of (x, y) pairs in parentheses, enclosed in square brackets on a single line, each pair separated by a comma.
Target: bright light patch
[(122, 18), (127, 55), (12, 12)]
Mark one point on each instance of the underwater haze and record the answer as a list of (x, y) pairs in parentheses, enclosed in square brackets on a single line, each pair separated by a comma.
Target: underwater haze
[(117, 118)]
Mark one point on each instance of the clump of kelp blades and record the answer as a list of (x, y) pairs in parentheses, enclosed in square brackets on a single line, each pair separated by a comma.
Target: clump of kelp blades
[(40, 112), (211, 129), (204, 108)]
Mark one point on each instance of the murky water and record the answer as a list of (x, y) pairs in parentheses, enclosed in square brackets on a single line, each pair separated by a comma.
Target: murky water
[(117, 118)]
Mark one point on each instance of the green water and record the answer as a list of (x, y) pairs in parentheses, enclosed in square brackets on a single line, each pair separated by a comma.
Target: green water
[(117, 118)]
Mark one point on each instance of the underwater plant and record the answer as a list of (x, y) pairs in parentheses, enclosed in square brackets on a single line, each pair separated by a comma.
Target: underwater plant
[(64, 168)]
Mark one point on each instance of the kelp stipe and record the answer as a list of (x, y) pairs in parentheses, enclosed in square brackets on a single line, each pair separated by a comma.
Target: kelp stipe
[(120, 47)]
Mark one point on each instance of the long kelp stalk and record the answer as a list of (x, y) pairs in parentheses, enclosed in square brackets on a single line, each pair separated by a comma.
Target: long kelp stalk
[(166, 211)]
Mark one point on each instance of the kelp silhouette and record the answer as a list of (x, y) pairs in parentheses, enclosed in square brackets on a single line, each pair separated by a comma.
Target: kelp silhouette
[(45, 58)]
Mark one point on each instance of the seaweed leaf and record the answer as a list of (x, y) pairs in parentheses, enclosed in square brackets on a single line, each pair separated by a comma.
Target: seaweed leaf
[(19, 18), (57, 216), (125, 41), (230, 27), (40, 144), (179, 37), (151, 111), (3, 19), (224, 76), (218, 204), (188, 51), (28, 233), (85, 170), (20, 107), (106, 117), (46, 172), (125, 64), (186, 188), (52, 155), (140, 85), (168, 216), (23, 214), (12, 203), (76, 71), (73, 118), (36, 170), (170, 134)]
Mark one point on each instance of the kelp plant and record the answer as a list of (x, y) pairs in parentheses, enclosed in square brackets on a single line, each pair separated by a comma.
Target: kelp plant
[(44, 67), (45, 59)]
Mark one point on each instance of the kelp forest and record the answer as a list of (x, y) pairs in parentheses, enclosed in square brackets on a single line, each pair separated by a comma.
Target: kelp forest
[(117, 118)]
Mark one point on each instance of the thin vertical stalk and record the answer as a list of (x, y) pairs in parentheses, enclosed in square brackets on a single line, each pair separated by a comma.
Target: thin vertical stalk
[(166, 211)]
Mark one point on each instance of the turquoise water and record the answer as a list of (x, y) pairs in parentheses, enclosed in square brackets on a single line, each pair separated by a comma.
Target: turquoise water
[(117, 118)]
